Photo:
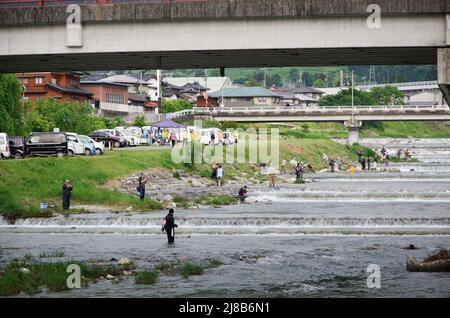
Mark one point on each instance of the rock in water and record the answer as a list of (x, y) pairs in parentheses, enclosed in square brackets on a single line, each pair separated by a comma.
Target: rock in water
[(109, 277), (436, 262), (124, 261)]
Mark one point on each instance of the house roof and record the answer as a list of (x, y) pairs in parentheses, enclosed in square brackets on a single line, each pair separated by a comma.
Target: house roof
[(124, 79), (137, 97), (304, 89), (100, 82), (212, 83), (69, 90), (244, 92)]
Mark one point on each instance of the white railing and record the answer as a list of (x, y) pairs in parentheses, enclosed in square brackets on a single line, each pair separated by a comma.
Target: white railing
[(321, 109), (180, 114), (121, 108)]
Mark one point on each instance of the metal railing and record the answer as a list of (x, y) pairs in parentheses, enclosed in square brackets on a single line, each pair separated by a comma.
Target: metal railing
[(179, 114), (321, 109)]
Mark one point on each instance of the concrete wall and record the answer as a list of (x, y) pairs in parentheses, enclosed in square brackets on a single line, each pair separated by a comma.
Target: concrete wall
[(221, 9)]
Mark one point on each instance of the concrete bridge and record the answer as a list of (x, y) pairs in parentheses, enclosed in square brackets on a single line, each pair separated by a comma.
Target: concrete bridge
[(226, 33), (223, 33), (352, 117)]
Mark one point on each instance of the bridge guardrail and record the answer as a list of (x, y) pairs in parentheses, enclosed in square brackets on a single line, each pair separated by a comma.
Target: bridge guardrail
[(322, 109)]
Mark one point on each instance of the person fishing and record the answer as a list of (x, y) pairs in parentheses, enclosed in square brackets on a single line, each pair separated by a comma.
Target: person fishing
[(169, 226), (243, 194), (141, 187), (332, 164), (67, 193), (360, 154), (299, 171)]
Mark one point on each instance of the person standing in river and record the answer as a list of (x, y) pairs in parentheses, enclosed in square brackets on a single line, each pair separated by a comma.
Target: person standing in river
[(169, 226), (67, 193)]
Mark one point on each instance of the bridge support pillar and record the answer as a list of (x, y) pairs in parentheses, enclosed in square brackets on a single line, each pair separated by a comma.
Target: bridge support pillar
[(444, 72), (353, 131)]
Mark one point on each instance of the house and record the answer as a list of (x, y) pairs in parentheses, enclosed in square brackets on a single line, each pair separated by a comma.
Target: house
[(58, 85), (211, 83), (288, 97), (425, 98), (313, 94), (114, 99), (242, 97)]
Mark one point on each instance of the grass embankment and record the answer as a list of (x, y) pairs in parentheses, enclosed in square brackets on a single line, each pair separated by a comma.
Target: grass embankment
[(25, 183), (406, 130), (26, 275)]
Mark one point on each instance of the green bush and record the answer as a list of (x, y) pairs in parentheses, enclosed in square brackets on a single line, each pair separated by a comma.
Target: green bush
[(189, 269), (147, 277)]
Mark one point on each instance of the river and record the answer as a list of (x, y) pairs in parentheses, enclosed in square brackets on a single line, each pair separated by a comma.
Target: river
[(311, 240)]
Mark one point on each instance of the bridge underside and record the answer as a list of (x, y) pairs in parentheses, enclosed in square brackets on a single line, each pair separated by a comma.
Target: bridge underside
[(219, 58)]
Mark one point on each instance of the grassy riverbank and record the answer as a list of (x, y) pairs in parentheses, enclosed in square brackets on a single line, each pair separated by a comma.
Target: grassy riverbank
[(25, 183)]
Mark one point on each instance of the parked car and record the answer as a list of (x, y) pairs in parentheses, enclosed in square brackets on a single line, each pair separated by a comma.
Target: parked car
[(99, 146), (78, 147), (16, 146), (228, 138), (205, 134), (106, 137), (46, 144), (119, 132), (4, 146)]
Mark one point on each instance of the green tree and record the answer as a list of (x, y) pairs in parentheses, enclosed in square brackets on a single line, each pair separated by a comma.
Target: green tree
[(172, 106), (388, 95), (139, 121), (344, 98), (274, 80), (319, 83), (11, 105), (252, 83), (294, 76)]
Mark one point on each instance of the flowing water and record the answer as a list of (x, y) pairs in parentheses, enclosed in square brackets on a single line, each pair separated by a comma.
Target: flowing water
[(311, 240)]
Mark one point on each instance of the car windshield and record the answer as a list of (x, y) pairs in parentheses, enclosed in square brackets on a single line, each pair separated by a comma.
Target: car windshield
[(86, 139)]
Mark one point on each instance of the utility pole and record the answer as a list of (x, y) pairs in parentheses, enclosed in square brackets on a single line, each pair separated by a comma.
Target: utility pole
[(353, 97), (158, 88)]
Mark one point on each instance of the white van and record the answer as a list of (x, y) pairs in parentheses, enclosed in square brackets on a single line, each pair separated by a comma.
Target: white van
[(4, 146), (206, 134)]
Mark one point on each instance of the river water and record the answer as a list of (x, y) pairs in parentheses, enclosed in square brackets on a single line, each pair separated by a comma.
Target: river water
[(311, 240)]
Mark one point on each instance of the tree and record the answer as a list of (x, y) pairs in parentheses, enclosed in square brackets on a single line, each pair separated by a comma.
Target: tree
[(11, 105), (139, 121), (388, 95), (172, 106), (319, 83), (344, 98), (294, 76), (252, 83), (274, 80)]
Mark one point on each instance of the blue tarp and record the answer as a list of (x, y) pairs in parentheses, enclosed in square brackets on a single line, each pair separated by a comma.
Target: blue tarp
[(168, 124)]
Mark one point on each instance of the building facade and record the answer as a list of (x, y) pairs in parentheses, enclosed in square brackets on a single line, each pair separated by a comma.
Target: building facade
[(61, 86)]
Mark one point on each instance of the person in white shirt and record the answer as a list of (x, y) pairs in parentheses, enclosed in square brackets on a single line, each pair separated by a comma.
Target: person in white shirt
[(219, 176)]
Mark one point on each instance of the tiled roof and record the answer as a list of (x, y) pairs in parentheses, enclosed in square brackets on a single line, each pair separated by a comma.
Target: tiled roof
[(69, 90)]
